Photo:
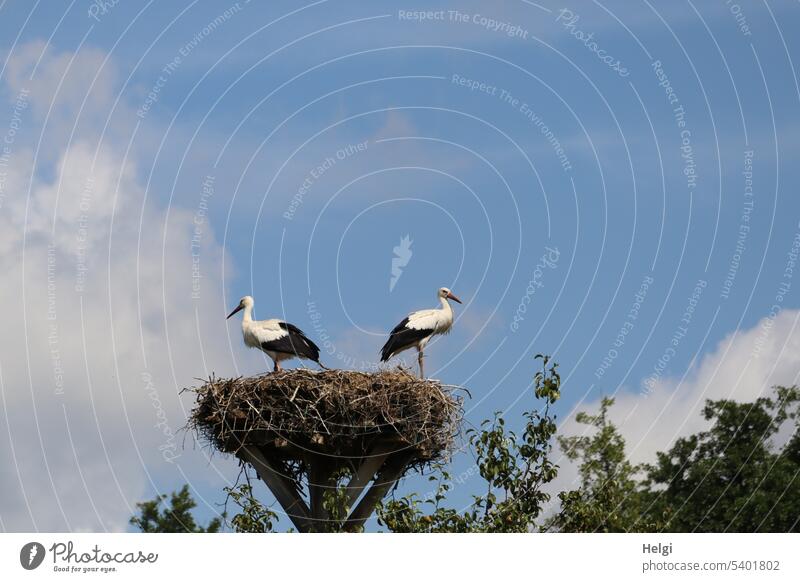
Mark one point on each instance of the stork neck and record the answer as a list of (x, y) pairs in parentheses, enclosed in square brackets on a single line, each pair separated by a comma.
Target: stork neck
[(248, 313), (445, 304)]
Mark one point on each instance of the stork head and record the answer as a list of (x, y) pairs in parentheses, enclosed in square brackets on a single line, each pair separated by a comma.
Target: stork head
[(244, 302), (445, 293)]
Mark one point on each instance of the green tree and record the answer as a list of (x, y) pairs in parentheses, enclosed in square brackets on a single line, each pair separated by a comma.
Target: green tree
[(732, 477), (514, 469), (254, 516), (609, 496), (175, 517)]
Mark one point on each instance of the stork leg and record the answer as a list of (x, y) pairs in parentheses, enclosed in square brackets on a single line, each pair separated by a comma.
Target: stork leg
[(421, 367), (277, 366)]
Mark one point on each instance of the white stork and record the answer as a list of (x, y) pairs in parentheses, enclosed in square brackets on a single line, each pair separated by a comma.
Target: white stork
[(416, 330), (276, 338)]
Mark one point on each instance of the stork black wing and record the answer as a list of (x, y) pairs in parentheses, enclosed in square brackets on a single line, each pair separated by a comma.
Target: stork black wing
[(401, 338), (294, 342)]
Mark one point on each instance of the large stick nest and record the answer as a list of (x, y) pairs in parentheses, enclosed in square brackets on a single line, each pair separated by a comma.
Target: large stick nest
[(338, 413)]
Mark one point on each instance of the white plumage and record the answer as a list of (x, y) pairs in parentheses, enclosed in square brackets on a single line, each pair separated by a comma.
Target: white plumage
[(417, 329), (276, 338)]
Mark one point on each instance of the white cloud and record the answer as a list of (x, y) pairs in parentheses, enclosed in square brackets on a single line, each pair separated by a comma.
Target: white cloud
[(743, 366), (100, 328)]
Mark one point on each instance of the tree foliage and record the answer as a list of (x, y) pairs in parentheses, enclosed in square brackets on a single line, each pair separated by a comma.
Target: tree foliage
[(514, 468), (733, 476), (254, 517), (609, 496), (157, 516), (741, 474)]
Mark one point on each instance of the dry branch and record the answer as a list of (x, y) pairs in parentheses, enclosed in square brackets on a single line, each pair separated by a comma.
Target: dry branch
[(294, 415)]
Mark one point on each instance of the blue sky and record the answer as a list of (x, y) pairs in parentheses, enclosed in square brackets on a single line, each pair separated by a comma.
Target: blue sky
[(488, 150)]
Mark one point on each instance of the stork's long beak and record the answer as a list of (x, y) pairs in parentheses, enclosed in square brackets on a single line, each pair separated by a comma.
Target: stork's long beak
[(235, 311), (453, 297)]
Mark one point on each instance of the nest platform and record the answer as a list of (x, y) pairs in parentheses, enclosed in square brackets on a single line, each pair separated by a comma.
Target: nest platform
[(302, 430)]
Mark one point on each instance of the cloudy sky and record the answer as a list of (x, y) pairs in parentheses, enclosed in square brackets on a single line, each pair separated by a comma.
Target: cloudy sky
[(614, 185)]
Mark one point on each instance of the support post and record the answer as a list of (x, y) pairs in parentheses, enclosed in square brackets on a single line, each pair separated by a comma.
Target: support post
[(366, 471), (320, 469), (281, 486), (384, 480)]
